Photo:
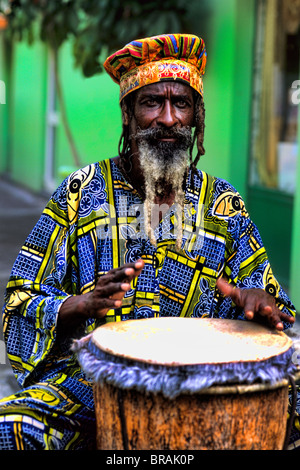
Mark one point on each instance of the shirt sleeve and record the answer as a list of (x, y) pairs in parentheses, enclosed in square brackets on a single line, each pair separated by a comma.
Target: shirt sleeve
[(40, 281), (247, 265)]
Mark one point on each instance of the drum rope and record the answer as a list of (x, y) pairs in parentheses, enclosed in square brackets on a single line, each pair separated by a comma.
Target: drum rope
[(123, 420), (292, 411)]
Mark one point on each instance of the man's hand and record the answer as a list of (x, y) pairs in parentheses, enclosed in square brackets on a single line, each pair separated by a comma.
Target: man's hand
[(255, 302), (108, 294)]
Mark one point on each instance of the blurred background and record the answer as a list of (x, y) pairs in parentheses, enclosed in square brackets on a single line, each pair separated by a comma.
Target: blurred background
[(59, 110)]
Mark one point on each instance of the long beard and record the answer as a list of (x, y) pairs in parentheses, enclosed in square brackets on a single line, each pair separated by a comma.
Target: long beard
[(164, 165)]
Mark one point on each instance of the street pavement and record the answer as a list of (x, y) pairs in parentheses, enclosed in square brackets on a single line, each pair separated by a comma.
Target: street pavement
[(19, 211)]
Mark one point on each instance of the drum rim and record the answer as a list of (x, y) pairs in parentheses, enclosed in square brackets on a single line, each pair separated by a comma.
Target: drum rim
[(241, 389), (248, 388)]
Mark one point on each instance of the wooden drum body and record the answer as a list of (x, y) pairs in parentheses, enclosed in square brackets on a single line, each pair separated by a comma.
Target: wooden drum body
[(188, 384)]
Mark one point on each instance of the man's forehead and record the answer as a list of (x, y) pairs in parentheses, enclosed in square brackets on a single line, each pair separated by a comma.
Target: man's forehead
[(166, 87)]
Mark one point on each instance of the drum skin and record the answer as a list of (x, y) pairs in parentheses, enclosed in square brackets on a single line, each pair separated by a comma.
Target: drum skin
[(241, 418)]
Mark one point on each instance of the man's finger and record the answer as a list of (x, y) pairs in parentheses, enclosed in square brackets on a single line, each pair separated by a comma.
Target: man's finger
[(124, 273), (224, 287), (287, 318), (279, 326), (111, 289), (276, 316), (250, 307), (229, 291)]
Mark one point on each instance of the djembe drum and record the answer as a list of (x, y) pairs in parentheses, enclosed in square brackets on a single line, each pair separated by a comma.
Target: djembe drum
[(186, 383)]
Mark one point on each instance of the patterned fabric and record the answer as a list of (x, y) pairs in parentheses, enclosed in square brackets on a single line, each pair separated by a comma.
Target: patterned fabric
[(180, 57), (294, 441), (94, 222), (44, 417)]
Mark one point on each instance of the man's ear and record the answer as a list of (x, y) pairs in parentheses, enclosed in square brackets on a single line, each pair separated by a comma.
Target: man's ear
[(125, 118), (125, 115)]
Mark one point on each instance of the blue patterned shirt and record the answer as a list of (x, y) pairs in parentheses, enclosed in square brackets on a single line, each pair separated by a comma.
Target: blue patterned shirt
[(94, 222)]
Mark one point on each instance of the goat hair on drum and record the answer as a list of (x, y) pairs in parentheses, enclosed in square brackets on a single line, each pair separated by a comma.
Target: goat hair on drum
[(188, 383)]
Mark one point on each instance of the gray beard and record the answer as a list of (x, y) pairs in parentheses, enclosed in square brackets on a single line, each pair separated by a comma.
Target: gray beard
[(164, 166), (163, 163)]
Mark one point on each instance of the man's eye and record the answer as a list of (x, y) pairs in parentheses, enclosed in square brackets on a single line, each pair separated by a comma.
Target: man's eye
[(181, 104), (151, 102)]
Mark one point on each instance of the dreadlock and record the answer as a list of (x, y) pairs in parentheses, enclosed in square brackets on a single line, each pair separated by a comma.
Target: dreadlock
[(198, 132), (124, 142), (198, 137)]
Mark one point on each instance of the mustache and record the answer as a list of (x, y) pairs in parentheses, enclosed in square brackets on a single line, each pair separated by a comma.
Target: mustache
[(156, 133)]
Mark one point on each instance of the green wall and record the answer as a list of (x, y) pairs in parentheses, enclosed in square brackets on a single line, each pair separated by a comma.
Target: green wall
[(29, 75), (92, 109), (93, 112), (3, 129), (295, 238), (218, 89), (5, 115), (272, 212), (23, 119), (227, 90)]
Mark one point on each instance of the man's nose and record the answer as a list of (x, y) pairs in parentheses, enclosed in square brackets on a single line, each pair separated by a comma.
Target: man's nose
[(167, 116)]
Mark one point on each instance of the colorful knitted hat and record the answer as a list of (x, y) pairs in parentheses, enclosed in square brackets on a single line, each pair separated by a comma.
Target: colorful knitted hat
[(180, 57)]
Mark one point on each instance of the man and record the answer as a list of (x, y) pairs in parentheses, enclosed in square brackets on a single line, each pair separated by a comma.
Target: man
[(140, 235)]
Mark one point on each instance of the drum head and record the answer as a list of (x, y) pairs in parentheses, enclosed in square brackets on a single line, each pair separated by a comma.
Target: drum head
[(176, 341)]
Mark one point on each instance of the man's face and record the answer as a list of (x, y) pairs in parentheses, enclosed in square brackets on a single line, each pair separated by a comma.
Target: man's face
[(166, 107), (161, 134)]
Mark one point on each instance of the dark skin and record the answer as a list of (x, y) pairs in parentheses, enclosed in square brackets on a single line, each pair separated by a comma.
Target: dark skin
[(164, 104), (108, 294), (256, 303)]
